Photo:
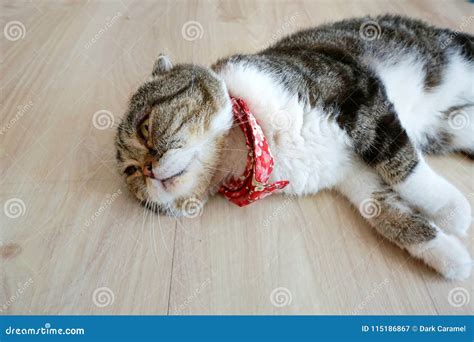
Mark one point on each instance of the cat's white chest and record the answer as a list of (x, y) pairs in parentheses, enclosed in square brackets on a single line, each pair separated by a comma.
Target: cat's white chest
[(309, 150)]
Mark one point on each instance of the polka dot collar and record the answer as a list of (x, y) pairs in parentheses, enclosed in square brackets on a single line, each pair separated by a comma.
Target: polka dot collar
[(252, 185)]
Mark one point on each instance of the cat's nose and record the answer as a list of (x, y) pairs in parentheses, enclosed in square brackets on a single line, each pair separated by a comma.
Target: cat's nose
[(148, 171)]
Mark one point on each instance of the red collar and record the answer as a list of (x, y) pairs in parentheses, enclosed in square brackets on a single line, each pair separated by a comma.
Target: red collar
[(252, 185)]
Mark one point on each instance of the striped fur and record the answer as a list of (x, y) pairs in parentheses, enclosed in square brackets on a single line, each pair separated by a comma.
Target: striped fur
[(358, 114)]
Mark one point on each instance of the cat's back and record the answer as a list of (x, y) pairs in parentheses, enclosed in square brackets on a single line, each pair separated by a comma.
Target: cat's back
[(310, 151), (296, 85), (331, 61), (381, 36)]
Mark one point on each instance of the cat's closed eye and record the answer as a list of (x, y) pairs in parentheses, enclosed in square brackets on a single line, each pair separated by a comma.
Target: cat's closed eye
[(143, 129), (130, 170)]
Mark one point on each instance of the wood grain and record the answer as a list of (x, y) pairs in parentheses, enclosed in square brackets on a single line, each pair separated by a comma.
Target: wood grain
[(82, 245)]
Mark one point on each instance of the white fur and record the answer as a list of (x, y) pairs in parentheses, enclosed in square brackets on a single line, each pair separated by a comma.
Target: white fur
[(422, 111), (313, 153), (364, 181), (440, 200), (446, 254)]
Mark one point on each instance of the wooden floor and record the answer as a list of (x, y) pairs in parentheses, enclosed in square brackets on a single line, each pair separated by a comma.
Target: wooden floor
[(73, 241)]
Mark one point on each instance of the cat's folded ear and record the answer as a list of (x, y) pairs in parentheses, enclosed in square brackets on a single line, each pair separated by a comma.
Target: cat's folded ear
[(162, 64)]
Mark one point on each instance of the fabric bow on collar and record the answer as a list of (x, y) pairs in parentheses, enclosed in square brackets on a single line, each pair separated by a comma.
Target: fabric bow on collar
[(252, 185)]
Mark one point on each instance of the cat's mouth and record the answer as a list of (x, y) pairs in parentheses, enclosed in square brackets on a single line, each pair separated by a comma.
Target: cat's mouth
[(148, 172), (167, 183), (180, 173)]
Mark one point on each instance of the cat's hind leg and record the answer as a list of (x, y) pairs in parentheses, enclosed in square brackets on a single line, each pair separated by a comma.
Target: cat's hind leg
[(459, 126), (458, 110), (383, 144), (451, 107), (395, 219), (434, 195)]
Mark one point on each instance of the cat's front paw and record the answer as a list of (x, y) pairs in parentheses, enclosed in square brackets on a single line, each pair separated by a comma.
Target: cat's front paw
[(445, 254), (455, 216)]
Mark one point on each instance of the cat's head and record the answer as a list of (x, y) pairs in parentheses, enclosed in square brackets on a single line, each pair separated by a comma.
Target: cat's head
[(169, 141)]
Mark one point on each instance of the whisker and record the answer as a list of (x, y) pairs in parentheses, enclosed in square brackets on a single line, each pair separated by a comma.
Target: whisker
[(231, 149), (217, 169), (145, 214), (153, 235)]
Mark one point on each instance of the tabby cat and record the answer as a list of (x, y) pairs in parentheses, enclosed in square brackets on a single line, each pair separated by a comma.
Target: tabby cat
[(339, 110)]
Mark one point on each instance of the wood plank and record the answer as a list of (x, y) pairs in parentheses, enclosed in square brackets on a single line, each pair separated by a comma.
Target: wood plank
[(311, 255)]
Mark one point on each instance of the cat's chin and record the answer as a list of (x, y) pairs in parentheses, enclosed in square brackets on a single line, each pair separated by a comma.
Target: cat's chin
[(157, 192)]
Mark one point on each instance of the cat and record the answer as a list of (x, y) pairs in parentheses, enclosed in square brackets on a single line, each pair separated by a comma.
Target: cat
[(340, 108)]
